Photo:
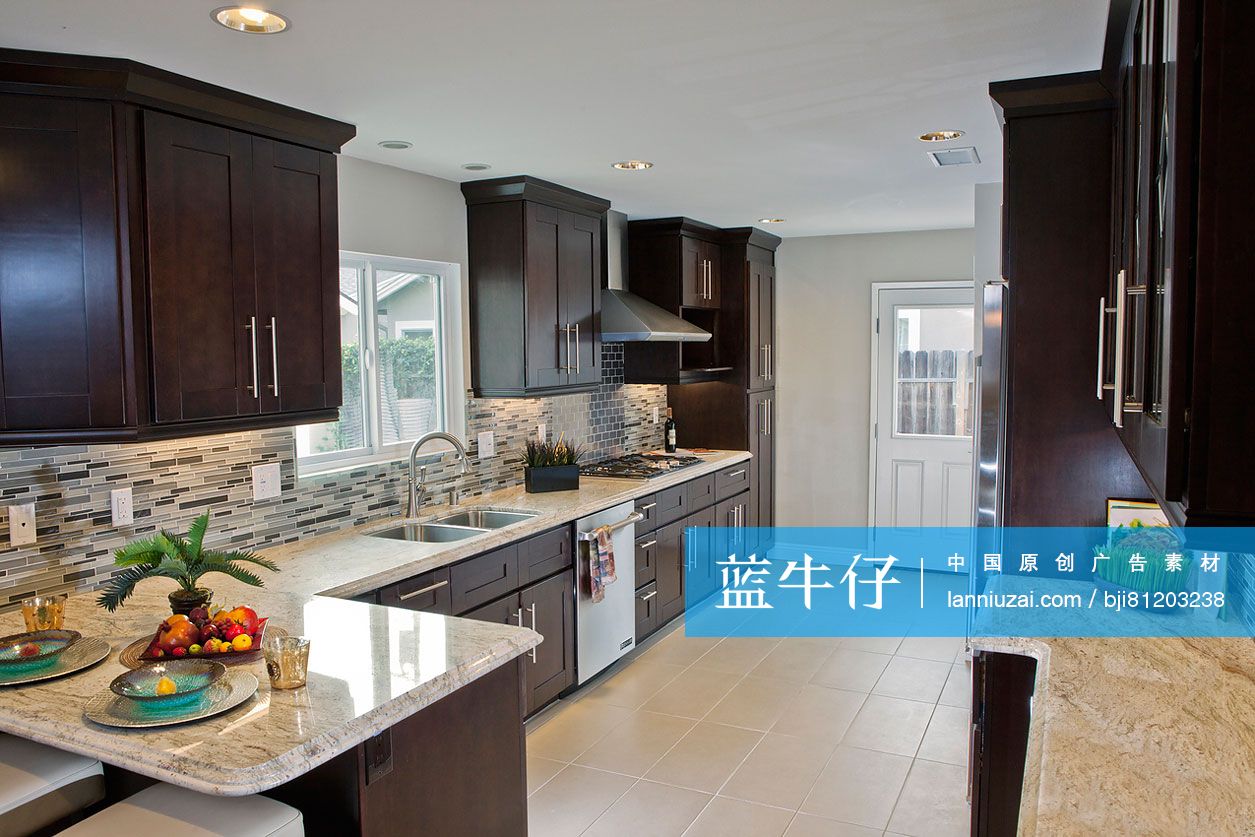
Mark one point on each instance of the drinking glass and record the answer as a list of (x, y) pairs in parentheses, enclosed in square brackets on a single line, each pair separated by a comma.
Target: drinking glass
[(287, 660), (44, 613)]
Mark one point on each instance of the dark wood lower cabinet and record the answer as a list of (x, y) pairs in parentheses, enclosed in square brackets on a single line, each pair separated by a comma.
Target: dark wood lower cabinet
[(1002, 691), (457, 767), (701, 574), (549, 609), (669, 573), (762, 445)]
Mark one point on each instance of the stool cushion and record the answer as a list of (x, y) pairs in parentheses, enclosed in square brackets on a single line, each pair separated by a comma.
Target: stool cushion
[(40, 785), (165, 809)]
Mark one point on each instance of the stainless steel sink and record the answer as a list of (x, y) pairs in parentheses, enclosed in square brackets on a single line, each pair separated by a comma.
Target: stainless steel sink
[(485, 518), (429, 533)]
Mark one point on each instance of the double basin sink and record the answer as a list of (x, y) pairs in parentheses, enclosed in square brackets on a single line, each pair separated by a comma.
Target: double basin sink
[(456, 526)]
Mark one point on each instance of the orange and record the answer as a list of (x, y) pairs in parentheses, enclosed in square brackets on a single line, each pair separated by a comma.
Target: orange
[(243, 642), (166, 686)]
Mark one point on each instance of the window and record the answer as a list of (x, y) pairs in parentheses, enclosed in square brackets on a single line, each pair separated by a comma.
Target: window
[(934, 381), (400, 347)]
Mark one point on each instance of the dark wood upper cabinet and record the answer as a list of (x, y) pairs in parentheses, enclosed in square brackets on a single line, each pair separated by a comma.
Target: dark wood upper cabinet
[(536, 273), (170, 255), (62, 328), (699, 272)]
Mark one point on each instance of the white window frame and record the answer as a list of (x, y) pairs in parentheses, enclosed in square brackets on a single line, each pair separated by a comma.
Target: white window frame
[(447, 331)]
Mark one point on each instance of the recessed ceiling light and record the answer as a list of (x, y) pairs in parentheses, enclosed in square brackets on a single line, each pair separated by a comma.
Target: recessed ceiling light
[(633, 165), (771, 220), (251, 20), (476, 166), (940, 136), (396, 145)]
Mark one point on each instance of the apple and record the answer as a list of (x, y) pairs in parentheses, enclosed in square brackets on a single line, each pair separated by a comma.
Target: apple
[(208, 632), (245, 617), (233, 631), (177, 634), (30, 649), (199, 615)]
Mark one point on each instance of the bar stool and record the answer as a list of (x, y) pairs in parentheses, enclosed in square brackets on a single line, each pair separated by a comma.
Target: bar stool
[(41, 785), (165, 809)]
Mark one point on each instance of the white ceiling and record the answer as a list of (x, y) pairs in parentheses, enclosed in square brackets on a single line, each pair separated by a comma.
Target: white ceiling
[(803, 109)]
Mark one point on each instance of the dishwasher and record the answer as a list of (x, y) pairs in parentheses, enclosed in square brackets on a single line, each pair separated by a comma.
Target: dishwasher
[(606, 630)]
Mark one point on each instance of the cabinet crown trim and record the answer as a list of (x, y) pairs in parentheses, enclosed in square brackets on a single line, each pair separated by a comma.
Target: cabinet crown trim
[(124, 80), (527, 188)]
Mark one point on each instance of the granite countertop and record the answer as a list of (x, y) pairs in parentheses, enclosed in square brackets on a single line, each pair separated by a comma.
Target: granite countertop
[(350, 563), (370, 666), (1139, 735)]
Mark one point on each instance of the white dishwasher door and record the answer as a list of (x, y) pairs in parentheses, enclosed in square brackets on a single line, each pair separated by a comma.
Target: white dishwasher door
[(605, 631)]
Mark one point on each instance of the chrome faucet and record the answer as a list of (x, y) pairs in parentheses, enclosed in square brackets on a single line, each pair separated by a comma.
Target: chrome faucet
[(417, 488)]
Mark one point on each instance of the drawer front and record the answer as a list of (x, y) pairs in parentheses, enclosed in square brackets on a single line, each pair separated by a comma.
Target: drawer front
[(648, 507), (545, 554), (701, 493), (672, 504), (732, 481), (483, 578), (428, 592), (646, 559), (646, 611)]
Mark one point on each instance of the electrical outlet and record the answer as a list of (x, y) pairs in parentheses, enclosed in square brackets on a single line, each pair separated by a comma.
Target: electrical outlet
[(122, 505), (487, 444), (542, 431), (22, 524), (266, 484), (655, 415)]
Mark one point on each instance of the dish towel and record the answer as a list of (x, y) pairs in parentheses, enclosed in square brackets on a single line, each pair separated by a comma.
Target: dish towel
[(601, 563)]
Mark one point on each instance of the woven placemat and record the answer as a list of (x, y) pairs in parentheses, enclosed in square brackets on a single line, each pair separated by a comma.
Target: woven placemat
[(130, 656)]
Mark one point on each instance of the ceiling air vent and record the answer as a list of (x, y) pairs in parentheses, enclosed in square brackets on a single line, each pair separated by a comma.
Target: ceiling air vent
[(954, 157)]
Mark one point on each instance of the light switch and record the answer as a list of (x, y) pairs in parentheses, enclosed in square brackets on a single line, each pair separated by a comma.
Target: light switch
[(122, 505), (22, 524), (542, 431), (487, 444), (266, 484)]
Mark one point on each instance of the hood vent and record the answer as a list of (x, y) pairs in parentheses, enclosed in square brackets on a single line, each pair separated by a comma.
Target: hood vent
[(626, 318)]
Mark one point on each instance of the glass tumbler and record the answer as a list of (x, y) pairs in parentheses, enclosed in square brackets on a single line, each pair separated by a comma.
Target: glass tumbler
[(44, 613), (287, 660)]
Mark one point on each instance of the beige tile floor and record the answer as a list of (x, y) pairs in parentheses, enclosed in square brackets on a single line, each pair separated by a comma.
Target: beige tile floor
[(759, 738)]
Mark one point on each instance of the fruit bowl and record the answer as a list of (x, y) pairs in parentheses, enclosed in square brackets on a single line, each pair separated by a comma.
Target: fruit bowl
[(171, 683), (34, 648), (228, 633)]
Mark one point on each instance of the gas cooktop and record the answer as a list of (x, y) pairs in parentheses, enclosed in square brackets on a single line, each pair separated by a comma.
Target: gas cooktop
[(639, 466)]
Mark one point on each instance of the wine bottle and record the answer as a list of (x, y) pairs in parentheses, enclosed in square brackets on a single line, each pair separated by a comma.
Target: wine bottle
[(669, 432)]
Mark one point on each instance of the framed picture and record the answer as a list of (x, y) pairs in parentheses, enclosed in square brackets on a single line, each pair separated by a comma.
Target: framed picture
[(1132, 513)]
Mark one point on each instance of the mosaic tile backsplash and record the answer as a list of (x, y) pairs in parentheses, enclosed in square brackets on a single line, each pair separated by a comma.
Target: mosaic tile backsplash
[(176, 480)]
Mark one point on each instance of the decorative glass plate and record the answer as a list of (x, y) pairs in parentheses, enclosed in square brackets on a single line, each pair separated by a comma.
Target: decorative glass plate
[(191, 677), (34, 649), (80, 655), (109, 710)]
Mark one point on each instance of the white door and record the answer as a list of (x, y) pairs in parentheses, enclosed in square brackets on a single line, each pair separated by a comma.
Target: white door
[(924, 407)]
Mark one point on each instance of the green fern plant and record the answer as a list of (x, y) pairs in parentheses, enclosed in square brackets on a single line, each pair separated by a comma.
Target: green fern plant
[(182, 558)]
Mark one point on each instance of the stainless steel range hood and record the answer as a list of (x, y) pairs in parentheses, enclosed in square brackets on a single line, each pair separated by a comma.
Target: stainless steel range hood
[(626, 318)]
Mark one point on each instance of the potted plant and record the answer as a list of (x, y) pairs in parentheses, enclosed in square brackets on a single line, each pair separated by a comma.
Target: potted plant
[(184, 559), (551, 466), (1153, 544)]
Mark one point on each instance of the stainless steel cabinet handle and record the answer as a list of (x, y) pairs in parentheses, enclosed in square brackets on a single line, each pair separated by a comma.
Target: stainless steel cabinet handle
[(405, 597), (767, 404), (1117, 410), (252, 336), (274, 355), (566, 342), (531, 609), (647, 507), (737, 473), (771, 364), (762, 421), (647, 544), (1102, 339), (577, 348), (649, 595)]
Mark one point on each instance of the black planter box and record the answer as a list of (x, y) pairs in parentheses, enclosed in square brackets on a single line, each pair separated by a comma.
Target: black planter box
[(552, 478)]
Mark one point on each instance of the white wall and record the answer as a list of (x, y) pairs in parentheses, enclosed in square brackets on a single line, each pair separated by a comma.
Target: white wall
[(824, 328)]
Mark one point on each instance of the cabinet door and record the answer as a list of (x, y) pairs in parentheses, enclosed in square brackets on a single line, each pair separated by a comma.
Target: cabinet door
[(549, 609), (207, 343), (692, 273), (711, 256), (762, 468), (669, 572), (1002, 693), (700, 576), (296, 241), (761, 315), (547, 346), (61, 334), (579, 291)]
